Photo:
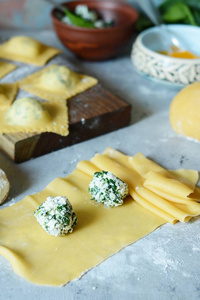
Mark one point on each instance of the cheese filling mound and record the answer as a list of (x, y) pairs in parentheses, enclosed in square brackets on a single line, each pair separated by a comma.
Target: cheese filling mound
[(106, 188), (27, 111), (58, 78), (56, 216)]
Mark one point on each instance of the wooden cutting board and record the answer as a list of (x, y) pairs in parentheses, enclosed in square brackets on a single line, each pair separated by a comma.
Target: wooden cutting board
[(91, 113)]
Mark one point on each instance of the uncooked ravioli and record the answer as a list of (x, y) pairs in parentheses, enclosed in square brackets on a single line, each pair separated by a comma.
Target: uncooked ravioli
[(56, 83), (27, 50), (26, 111), (58, 78), (8, 92), (31, 115)]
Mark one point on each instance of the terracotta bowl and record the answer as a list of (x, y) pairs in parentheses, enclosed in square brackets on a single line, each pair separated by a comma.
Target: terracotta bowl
[(97, 44)]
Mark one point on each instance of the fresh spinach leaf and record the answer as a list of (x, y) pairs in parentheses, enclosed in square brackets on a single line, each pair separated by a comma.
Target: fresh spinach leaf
[(190, 3), (143, 22), (174, 11), (78, 21), (179, 12), (196, 15)]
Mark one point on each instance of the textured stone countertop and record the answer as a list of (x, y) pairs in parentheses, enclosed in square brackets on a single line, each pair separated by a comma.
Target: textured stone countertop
[(163, 265)]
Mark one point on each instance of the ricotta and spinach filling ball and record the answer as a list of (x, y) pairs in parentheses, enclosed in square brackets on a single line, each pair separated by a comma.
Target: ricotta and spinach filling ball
[(56, 216), (108, 189)]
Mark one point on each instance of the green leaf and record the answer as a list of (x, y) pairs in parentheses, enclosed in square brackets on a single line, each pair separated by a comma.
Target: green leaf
[(196, 15), (179, 12), (143, 22), (190, 3), (78, 21)]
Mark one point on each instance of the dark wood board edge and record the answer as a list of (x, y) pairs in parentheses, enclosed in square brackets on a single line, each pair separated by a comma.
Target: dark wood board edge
[(91, 113), (36, 145)]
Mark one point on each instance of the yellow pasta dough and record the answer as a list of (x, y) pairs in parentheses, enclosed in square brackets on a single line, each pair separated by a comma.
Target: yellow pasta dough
[(30, 115), (56, 82), (6, 68), (167, 184), (158, 203), (8, 92), (184, 111), (27, 50), (100, 232)]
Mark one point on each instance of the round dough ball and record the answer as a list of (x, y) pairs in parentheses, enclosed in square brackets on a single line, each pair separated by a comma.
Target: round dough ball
[(184, 111), (27, 111), (4, 186)]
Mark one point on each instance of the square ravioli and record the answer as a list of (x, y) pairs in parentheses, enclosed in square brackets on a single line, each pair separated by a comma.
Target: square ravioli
[(27, 50), (56, 82), (8, 92), (6, 68), (31, 115)]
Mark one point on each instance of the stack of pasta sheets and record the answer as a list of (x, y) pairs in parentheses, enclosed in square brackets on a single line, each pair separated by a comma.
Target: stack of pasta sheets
[(172, 195)]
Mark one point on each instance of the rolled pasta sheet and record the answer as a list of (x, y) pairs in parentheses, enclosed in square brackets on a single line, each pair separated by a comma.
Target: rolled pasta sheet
[(87, 167), (189, 177), (192, 208), (167, 196), (118, 156), (128, 175), (163, 192), (196, 194), (143, 165), (169, 185), (136, 189), (152, 208), (179, 212)]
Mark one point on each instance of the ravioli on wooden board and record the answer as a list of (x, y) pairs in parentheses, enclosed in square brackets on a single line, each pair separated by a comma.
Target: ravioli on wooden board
[(30, 115), (8, 92), (56, 83), (48, 260)]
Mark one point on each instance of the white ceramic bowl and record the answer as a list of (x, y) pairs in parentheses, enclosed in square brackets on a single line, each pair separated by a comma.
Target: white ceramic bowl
[(174, 70)]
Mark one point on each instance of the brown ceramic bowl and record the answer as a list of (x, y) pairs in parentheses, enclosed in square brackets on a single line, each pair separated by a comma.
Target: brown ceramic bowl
[(97, 44)]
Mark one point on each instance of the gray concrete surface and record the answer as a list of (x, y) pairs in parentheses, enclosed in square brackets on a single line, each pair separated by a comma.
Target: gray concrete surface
[(163, 265)]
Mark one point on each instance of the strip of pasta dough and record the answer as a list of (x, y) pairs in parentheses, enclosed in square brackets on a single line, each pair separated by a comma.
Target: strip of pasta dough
[(100, 232)]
